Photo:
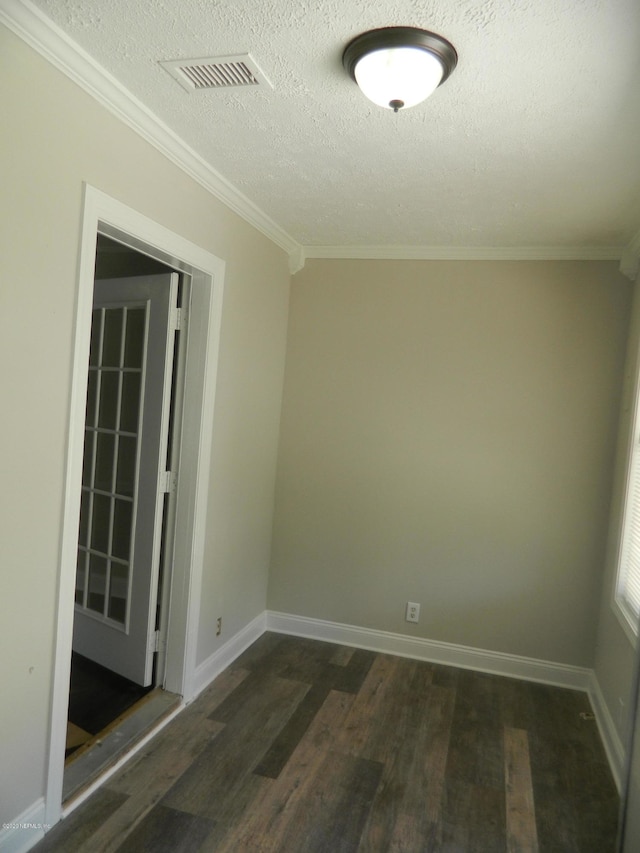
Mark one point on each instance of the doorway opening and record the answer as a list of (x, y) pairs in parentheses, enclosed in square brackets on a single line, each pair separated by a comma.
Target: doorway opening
[(130, 461), (183, 529)]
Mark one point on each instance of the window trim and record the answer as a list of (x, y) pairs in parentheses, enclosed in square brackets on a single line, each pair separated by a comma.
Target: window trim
[(628, 621)]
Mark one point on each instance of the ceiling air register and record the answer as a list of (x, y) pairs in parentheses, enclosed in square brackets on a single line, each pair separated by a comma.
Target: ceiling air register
[(216, 72)]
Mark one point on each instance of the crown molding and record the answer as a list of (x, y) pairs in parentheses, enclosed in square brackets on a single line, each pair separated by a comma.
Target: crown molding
[(630, 261), (467, 253), (45, 37), (297, 260)]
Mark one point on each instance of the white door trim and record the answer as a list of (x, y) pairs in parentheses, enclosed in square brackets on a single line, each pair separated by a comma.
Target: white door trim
[(105, 214)]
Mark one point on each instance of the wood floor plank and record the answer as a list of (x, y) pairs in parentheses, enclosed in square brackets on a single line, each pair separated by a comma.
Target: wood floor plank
[(521, 824), (477, 731), (342, 656), (348, 678), (446, 676), (298, 659), (364, 718), (485, 694), (214, 785), (388, 717), (223, 686), (238, 699), (327, 814), (165, 830), (259, 651), (515, 708), (156, 768), (475, 761), (555, 820), (409, 800), (292, 732), (279, 801), (487, 819), (422, 754), (475, 821), (335, 809), (83, 823), (575, 795)]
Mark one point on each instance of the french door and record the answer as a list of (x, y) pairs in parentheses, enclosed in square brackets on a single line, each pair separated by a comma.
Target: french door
[(125, 476)]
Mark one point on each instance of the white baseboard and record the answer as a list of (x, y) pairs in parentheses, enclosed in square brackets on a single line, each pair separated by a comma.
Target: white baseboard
[(24, 832), (448, 654), (609, 734), (226, 654)]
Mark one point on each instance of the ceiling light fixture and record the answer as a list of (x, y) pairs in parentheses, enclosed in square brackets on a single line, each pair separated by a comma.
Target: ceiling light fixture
[(399, 67)]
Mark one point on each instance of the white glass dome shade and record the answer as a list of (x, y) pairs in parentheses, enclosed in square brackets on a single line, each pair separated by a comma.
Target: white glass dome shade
[(402, 76)]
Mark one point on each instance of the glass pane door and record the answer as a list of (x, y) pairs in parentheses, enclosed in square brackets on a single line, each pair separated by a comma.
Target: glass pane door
[(110, 473), (125, 461)]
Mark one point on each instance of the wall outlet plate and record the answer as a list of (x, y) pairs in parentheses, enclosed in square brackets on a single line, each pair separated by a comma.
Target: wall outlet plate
[(413, 612)]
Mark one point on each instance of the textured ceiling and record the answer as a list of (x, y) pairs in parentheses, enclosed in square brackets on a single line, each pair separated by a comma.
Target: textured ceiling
[(533, 141)]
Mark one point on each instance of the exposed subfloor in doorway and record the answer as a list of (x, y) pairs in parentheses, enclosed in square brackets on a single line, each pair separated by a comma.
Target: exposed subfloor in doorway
[(108, 715), (97, 697)]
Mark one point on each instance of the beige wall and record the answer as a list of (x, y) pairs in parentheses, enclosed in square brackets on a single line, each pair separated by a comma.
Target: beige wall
[(614, 653), (53, 138), (447, 437)]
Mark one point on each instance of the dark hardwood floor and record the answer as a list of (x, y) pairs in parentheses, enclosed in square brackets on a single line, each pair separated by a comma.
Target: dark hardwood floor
[(308, 747)]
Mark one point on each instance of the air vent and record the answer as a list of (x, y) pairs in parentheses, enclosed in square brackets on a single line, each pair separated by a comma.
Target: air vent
[(218, 72)]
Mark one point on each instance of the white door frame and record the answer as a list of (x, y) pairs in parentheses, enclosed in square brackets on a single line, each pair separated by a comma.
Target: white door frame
[(104, 214)]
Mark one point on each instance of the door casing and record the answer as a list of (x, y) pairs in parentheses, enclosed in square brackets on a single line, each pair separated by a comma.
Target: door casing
[(105, 215)]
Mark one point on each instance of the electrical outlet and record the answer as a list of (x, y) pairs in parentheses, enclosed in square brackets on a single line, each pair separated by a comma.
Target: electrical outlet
[(218, 626), (413, 612)]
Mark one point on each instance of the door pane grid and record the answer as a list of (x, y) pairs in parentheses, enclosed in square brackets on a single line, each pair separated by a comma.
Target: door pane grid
[(111, 453)]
